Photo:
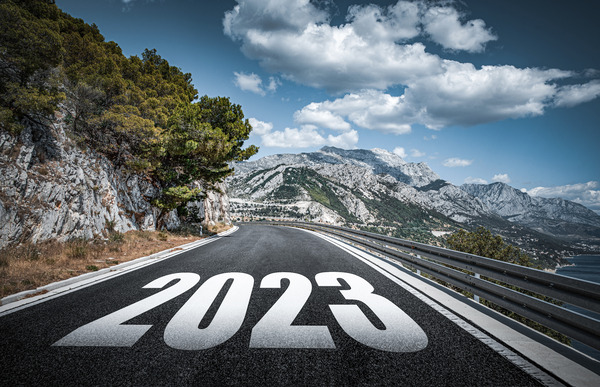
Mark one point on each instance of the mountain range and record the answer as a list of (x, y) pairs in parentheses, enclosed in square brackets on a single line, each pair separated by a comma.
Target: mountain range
[(378, 190)]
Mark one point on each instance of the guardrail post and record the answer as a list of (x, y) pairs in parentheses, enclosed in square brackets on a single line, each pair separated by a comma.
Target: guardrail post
[(418, 270), (475, 296)]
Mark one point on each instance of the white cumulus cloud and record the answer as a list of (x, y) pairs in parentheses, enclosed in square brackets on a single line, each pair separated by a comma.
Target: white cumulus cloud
[(460, 95), (253, 83), (397, 22), (376, 49), (400, 151), (464, 95), (475, 180), (313, 114), (587, 194), (295, 38), (260, 127), (572, 95), (304, 137), (444, 26), (369, 109), (501, 178), (456, 162)]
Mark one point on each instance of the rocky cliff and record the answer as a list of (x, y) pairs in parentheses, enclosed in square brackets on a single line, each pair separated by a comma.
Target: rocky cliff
[(53, 187)]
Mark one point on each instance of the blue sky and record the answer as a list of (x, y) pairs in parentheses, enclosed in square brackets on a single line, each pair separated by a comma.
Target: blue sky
[(480, 90)]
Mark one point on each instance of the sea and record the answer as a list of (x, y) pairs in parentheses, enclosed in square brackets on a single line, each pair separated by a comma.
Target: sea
[(585, 267)]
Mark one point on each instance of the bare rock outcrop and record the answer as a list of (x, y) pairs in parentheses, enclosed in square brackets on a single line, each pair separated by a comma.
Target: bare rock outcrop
[(51, 188)]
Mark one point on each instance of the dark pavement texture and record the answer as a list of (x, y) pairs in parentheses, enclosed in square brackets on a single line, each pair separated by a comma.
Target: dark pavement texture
[(452, 356)]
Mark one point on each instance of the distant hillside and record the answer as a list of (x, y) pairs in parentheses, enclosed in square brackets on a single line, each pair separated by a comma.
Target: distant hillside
[(378, 190), (557, 217)]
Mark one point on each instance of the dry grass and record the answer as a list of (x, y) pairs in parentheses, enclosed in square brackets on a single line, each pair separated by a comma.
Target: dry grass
[(219, 227), (29, 266)]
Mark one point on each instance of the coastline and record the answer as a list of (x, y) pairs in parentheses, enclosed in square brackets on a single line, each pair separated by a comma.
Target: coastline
[(585, 267), (570, 264), (558, 267)]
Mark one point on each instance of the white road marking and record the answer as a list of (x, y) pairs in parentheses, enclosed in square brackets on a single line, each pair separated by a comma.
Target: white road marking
[(276, 330), (399, 277)]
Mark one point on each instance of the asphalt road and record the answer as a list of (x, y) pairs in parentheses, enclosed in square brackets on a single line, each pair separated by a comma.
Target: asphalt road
[(220, 323)]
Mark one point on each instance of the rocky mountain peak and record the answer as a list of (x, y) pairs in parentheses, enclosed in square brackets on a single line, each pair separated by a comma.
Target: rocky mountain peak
[(379, 161), (503, 198), (377, 188), (535, 212)]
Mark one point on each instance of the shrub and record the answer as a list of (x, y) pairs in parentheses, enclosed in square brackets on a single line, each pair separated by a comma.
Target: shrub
[(77, 249), (116, 237), (31, 252)]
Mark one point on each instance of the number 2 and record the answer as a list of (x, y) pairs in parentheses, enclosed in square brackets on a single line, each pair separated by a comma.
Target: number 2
[(275, 329), (109, 330)]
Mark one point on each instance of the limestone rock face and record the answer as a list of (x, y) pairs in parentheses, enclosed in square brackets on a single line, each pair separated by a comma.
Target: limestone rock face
[(50, 188), (214, 208)]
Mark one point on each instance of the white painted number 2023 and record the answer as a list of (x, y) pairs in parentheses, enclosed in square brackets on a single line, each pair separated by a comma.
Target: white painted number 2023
[(273, 330)]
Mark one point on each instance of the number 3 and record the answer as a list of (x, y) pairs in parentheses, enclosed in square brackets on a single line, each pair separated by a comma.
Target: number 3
[(402, 334), (274, 330)]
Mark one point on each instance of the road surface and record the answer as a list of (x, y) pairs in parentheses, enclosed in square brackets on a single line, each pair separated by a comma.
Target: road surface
[(263, 306)]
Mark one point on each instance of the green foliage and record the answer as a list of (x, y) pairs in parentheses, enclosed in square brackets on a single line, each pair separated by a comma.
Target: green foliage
[(228, 118), (198, 142), (174, 197), (122, 133), (482, 242), (139, 112), (30, 51)]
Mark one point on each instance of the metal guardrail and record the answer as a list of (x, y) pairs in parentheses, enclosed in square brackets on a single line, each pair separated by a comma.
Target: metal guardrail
[(435, 261)]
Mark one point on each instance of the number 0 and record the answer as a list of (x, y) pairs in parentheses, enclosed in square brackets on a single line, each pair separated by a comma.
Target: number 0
[(182, 332)]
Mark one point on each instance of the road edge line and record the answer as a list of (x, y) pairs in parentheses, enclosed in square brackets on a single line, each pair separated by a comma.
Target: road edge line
[(520, 360)]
